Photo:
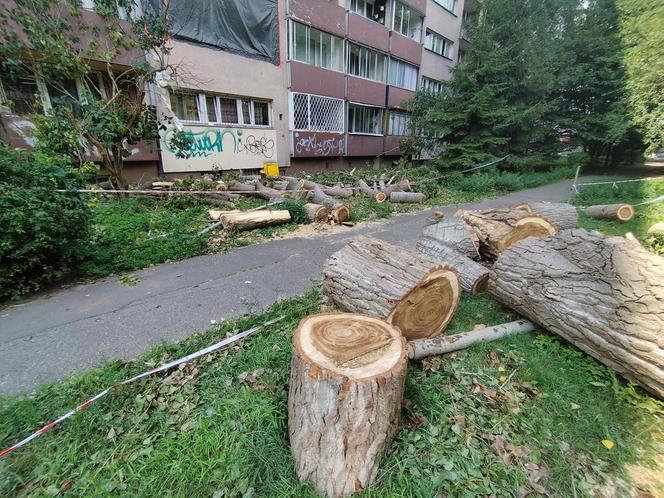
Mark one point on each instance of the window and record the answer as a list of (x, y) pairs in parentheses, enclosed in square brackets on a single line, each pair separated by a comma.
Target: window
[(185, 106), (371, 9), (316, 113), (447, 4), (407, 21), (399, 123), (317, 48), (228, 110), (364, 119), (403, 75), (366, 63), (432, 86), (19, 94), (439, 44), (209, 108), (261, 114)]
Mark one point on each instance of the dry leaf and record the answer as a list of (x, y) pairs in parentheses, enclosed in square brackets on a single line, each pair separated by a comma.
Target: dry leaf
[(608, 443), (479, 326), (111, 434)]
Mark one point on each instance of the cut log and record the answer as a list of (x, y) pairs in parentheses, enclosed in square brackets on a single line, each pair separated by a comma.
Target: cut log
[(620, 212), (346, 387), (603, 294), (256, 219), (219, 202), (269, 194), (423, 348), (402, 186), (336, 191), (316, 212), (376, 195), (407, 197), (338, 211), (454, 233), (244, 188), (216, 214), (563, 216), (294, 190), (474, 276), (498, 229), (408, 290)]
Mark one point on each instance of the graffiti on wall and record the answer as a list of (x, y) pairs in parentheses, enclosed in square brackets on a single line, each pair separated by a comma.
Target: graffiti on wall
[(318, 144), (223, 148)]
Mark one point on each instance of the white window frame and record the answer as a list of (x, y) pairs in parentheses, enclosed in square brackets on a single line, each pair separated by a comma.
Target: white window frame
[(432, 40), (204, 119), (406, 64), (445, 5), (292, 47), (380, 120), (356, 9), (431, 85), (403, 120), (368, 52), (341, 118), (403, 7)]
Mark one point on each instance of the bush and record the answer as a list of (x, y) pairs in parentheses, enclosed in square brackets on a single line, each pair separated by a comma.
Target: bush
[(42, 230)]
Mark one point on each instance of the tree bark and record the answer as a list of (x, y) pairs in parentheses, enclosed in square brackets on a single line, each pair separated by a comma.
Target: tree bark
[(620, 212), (316, 212), (454, 233), (244, 188), (402, 186), (336, 191), (474, 276), (603, 294), (269, 194), (255, 219), (337, 209), (346, 387), (374, 194), (379, 279), (563, 216), (407, 197)]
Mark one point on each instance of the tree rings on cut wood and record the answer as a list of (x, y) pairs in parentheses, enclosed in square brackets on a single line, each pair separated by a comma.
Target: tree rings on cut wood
[(346, 387), (316, 212), (620, 212)]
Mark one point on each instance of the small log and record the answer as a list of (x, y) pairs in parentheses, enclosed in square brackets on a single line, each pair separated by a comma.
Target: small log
[(162, 185), (620, 212), (243, 188), (346, 386), (407, 197), (408, 290), (338, 211), (376, 195), (267, 193), (335, 191), (454, 233), (602, 294), (316, 212), (402, 186), (256, 219), (474, 276), (225, 196), (563, 216), (215, 214), (423, 348), (294, 190)]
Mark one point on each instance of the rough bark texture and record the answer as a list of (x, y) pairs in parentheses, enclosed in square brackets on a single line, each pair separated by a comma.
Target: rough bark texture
[(563, 216), (267, 193), (379, 279), (255, 219), (340, 192), (407, 197), (341, 417), (622, 212), (337, 209), (245, 188), (453, 232), (316, 212), (402, 186), (603, 294), (376, 195), (474, 276)]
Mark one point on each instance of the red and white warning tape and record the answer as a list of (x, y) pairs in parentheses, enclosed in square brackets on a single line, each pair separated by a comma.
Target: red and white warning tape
[(162, 368)]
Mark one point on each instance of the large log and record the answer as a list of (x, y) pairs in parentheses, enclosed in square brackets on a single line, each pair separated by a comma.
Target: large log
[(267, 193), (407, 197), (316, 212), (402, 186), (563, 216), (474, 276), (454, 233), (376, 195), (337, 191), (620, 212), (603, 294), (379, 279), (498, 229), (338, 211), (256, 219), (346, 387)]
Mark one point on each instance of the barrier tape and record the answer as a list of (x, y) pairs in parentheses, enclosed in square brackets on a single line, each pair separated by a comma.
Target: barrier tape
[(162, 368)]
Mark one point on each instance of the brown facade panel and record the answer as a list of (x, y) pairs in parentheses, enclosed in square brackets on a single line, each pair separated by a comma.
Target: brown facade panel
[(366, 92), (420, 5), (391, 145), (405, 48), (318, 144), (396, 97), (323, 14), (364, 145), (311, 79), (368, 32)]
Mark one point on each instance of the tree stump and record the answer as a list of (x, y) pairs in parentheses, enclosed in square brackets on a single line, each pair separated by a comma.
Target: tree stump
[(316, 212), (563, 216), (376, 278), (338, 211), (603, 294), (620, 212), (346, 386), (454, 233), (407, 197), (474, 276)]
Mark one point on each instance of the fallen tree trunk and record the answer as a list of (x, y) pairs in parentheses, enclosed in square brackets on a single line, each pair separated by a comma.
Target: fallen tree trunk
[(316, 212), (376, 195), (407, 197), (294, 191), (563, 216), (620, 212), (603, 294), (346, 386), (423, 348), (498, 229), (256, 219), (338, 211), (379, 279), (454, 233), (269, 194), (402, 186), (474, 276), (243, 188), (336, 191)]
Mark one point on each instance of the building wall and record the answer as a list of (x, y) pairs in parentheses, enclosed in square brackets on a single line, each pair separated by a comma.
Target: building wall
[(447, 24)]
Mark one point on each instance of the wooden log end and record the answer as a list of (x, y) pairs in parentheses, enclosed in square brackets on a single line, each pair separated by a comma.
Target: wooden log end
[(380, 197), (480, 285), (529, 226), (625, 212), (340, 214)]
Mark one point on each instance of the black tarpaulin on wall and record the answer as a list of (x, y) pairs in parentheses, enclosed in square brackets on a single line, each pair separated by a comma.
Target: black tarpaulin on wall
[(244, 27)]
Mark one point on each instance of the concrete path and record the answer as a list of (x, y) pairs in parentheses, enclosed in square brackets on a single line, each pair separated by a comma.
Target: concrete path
[(46, 338)]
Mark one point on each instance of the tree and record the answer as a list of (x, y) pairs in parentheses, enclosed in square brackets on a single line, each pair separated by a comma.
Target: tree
[(113, 61)]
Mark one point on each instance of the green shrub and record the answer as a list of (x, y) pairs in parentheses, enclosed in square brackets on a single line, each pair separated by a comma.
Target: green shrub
[(296, 209), (42, 230)]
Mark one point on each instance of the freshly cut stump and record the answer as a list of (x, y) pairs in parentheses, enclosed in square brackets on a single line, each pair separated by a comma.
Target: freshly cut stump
[(603, 294), (316, 212), (474, 276), (563, 216), (346, 387), (454, 233), (337, 210), (408, 290), (620, 212)]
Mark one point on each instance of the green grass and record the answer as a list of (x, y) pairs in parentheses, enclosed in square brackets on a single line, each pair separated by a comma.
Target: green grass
[(202, 431)]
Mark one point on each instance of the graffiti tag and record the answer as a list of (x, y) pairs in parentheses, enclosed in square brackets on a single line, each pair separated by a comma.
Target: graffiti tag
[(207, 142), (326, 147)]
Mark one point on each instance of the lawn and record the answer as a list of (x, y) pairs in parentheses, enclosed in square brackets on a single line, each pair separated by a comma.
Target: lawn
[(525, 414)]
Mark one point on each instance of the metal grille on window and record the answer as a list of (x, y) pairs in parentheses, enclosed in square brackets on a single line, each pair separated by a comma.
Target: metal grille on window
[(315, 113)]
